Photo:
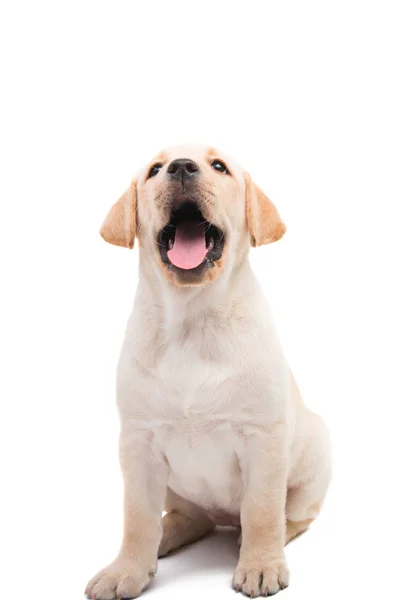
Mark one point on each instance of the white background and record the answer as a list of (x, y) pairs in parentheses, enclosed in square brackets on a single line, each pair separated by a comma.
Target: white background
[(303, 94)]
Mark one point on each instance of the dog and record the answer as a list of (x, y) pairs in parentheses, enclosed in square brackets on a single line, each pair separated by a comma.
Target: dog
[(213, 427)]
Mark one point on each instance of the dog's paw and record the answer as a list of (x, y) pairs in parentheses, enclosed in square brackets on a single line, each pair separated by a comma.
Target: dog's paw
[(261, 580), (121, 579)]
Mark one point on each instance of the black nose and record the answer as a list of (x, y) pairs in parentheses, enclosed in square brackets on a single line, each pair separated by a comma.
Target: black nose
[(182, 168)]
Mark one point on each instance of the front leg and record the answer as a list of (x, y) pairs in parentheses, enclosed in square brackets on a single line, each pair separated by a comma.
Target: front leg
[(262, 569), (145, 484)]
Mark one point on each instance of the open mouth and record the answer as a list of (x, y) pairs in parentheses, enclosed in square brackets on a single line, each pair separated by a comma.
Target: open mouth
[(188, 240)]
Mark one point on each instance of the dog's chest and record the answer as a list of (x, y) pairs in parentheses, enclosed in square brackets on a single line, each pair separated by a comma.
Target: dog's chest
[(196, 365), (200, 434)]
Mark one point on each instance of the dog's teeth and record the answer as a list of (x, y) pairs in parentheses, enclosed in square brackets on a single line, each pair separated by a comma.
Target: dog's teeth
[(170, 244), (210, 244)]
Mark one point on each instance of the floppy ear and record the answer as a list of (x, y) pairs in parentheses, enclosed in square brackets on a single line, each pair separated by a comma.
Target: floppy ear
[(119, 227), (264, 222)]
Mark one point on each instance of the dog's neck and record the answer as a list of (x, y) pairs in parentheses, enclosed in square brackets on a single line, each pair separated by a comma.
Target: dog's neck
[(177, 304)]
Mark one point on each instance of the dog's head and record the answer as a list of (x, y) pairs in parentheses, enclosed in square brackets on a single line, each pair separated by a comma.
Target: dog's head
[(194, 211)]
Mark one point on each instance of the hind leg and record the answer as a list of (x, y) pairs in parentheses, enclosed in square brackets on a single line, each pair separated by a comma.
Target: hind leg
[(183, 524), (295, 528), (292, 530), (308, 486)]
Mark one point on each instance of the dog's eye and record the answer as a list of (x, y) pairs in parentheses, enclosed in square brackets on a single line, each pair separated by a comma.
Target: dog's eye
[(218, 165), (154, 170)]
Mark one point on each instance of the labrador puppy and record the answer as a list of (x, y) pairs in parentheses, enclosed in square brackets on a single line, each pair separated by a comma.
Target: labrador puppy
[(213, 428)]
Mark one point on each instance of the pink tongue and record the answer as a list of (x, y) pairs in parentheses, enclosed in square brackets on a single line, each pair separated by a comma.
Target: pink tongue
[(189, 248)]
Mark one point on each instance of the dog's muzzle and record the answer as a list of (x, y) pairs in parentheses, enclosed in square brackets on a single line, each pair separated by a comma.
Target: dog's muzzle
[(189, 240)]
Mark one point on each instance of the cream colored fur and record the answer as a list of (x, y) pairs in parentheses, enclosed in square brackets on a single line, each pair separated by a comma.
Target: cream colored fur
[(213, 428)]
